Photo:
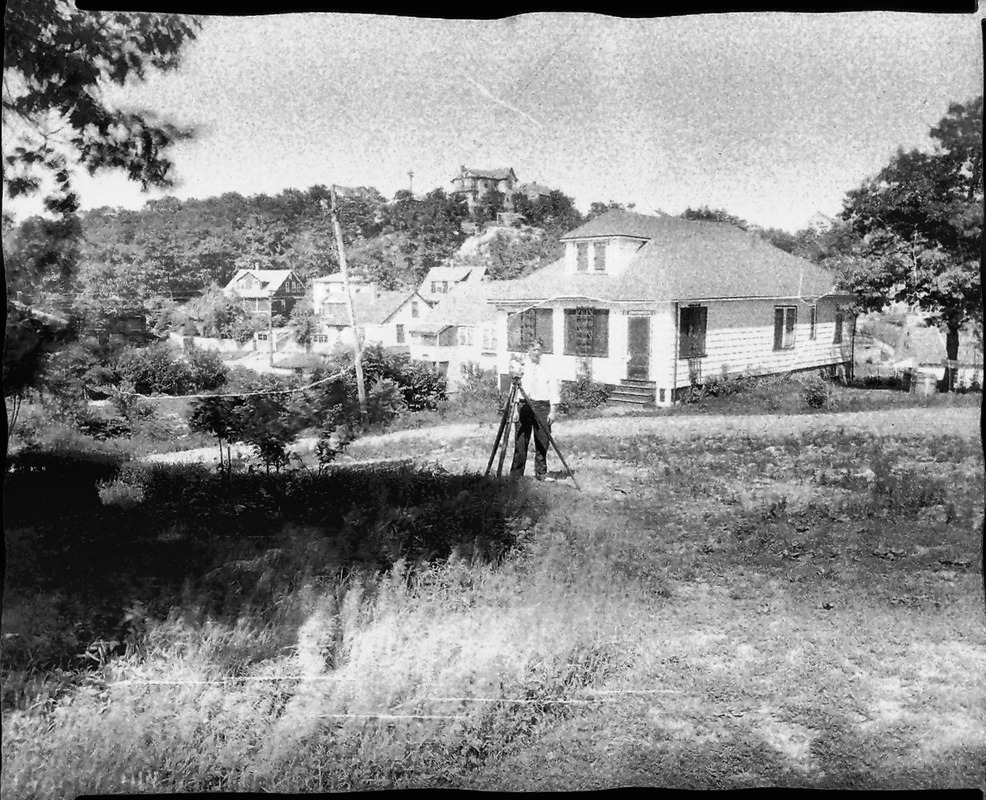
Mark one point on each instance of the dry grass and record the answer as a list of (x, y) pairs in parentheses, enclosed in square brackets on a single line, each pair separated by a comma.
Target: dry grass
[(730, 602)]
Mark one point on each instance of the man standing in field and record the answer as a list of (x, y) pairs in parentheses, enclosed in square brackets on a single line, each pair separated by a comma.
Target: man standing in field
[(542, 389)]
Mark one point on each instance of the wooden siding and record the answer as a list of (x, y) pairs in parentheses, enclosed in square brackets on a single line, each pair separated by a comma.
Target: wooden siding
[(740, 340)]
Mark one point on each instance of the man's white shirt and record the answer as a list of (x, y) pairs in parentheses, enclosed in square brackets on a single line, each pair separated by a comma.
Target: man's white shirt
[(539, 381)]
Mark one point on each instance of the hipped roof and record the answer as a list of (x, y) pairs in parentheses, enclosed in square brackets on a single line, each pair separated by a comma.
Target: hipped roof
[(680, 260)]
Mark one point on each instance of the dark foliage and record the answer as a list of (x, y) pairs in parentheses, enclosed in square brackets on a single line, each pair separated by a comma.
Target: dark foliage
[(190, 524), (158, 369)]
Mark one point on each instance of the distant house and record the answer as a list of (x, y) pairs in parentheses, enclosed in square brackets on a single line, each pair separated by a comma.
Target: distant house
[(329, 288), (440, 280), (474, 184), (383, 318), (652, 305), (458, 333), (532, 190), (266, 291)]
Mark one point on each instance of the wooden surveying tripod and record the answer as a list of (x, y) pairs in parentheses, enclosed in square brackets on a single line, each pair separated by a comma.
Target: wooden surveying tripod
[(503, 434)]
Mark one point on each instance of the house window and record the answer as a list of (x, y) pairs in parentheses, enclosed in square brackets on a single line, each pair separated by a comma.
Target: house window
[(692, 324), (489, 339), (414, 308), (587, 332), (785, 318), (262, 337), (840, 318), (526, 326), (400, 334), (582, 257), (812, 321), (599, 256), (465, 335)]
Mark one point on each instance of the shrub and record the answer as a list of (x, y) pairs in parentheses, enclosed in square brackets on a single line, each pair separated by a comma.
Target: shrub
[(120, 494), (159, 370), (478, 393), (422, 387), (583, 394), (817, 393)]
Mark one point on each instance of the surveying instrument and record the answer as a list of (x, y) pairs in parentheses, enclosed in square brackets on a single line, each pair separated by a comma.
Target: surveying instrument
[(516, 396)]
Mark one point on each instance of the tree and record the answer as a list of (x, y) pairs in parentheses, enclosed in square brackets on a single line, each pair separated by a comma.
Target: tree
[(489, 206), (304, 323), (596, 209), (56, 60), (704, 213), (918, 229)]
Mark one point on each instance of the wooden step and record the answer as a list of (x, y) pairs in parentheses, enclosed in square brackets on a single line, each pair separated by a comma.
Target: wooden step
[(632, 395)]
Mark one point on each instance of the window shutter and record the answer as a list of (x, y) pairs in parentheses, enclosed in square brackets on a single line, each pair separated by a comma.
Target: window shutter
[(703, 319), (792, 318), (684, 333), (601, 333), (543, 328), (778, 328), (515, 334), (570, 336)]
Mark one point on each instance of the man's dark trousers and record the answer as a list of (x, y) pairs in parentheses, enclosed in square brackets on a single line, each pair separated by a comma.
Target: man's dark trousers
[(526, 423)]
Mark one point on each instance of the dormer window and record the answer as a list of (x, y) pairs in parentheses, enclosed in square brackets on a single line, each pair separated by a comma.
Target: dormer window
[(599, 256), (582, 257)]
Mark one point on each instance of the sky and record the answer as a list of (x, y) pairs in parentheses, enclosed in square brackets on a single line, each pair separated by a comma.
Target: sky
[(771, 116)]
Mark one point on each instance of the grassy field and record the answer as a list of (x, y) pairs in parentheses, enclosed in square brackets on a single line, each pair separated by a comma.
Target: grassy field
[(731, 600)]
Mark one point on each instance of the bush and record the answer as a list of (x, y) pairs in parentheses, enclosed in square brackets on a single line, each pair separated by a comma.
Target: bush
[(582, 394), (422, 387), (479, 393), (159, 370), (817, 393)]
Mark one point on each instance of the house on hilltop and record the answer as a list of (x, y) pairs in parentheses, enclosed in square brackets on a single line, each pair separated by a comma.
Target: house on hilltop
[(475, 184), (266, 291), (653, 305)]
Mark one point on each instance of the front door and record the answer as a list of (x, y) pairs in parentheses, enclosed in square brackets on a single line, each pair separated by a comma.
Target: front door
[(638, 344)]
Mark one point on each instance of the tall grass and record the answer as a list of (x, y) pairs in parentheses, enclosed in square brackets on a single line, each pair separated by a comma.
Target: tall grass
[(713, 610)]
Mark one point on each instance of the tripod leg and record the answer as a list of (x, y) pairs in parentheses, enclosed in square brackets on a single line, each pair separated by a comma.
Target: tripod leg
[(503, 426), (551, 438), (506, 439)]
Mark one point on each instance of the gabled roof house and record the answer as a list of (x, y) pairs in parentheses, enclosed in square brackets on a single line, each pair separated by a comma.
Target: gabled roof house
[(440, 280), (382, 316), (266, 290), (458, 332), (652, 305)]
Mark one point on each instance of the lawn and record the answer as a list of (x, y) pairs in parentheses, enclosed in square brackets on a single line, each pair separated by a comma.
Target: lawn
[(731, 600)]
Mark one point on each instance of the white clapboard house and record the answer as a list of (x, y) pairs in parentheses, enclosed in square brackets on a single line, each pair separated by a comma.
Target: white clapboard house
[(652, 305)]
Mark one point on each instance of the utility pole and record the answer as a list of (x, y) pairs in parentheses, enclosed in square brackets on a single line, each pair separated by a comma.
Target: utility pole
[(357, 339), (270, 331)]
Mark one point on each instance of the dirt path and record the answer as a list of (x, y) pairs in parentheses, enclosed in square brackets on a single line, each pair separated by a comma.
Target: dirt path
[(458, 442)]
